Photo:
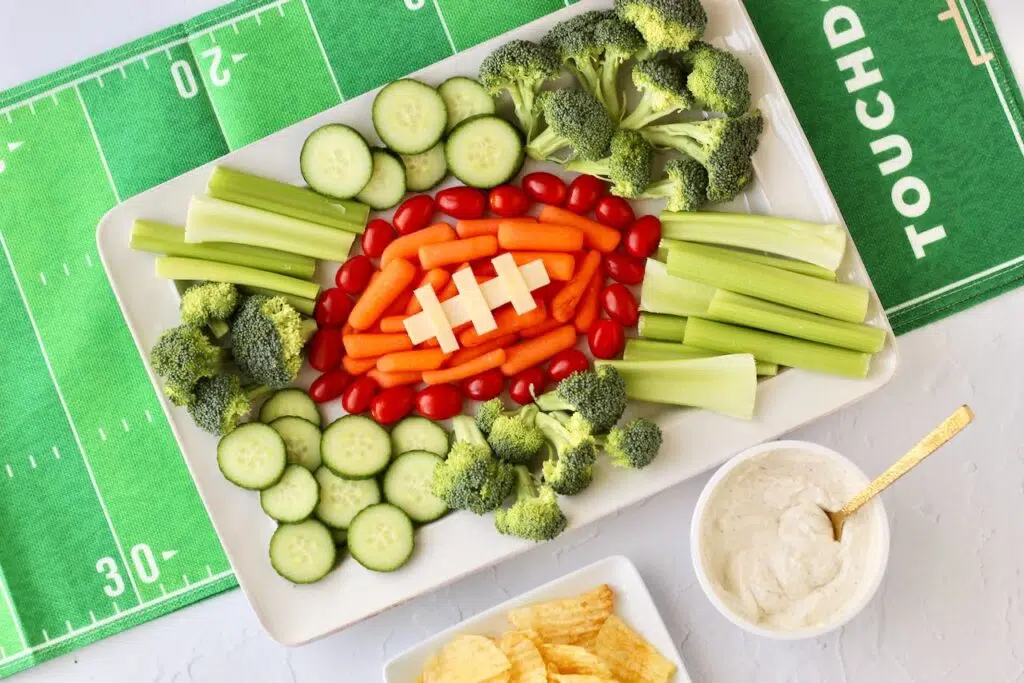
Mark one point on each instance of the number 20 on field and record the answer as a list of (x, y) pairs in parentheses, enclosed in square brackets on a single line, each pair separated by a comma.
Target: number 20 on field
[(185, 78), (145, 567)]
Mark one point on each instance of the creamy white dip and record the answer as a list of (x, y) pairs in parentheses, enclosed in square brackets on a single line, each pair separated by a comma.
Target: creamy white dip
[(766, 544)]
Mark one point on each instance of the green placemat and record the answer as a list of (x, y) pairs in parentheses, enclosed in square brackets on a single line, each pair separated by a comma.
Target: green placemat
[(101, 525)]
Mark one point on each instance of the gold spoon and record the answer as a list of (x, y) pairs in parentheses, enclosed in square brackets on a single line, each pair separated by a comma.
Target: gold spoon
[(949, 428)]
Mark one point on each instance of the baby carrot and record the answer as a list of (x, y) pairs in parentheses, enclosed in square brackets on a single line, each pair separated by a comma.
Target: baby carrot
[(381, 293), (538, 330), (400, 303), (373, 344), (455, 373), (590, 304), (467, 354), (386, 380), (564, 304), (508, 322), (358, 366), (486, 226), (560, 266), (411, 361), (447, 253), (392, 323), (537, 237), (596, 235), (532, 352), (436, 278), (408, 246)]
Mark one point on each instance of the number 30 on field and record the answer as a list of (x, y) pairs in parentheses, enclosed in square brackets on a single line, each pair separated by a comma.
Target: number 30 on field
[(145, 566), (185, 78)]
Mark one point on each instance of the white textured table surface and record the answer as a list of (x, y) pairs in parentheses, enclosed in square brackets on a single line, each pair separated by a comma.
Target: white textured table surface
[(951, 607)]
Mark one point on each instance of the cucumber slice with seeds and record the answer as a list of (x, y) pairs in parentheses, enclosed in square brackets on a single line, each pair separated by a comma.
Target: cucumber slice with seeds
[(426, 169), (381, 538), (464, 97), (342, 499), (355, 447), (407, 486), (303, 552), (252, 456), (290, 402), (387, 184), (335, 161), (301, 440), (409, 116), (419, 434), (484, 151), (293, 498)]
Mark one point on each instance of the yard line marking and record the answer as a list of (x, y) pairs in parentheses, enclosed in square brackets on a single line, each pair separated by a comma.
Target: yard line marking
[(32, 461), (99, 80), (323, 53), (163, 591), (124, 424), (46, 636), (42, 278), (167, 51), (149, 416), (103, 434), (213, 38), (99, 148), (259, 22), (92, 616), (955, 285), (67, 412), (124, 74), (66, 271), (3, 653), (88, 260), (10, 473), (209, 571), (10, 119), (280, 9), (68, 624), (10, 608), (168, 554), (32, 107), (145, 62), (185, 577), (444, 25), (234, 27), (56, 453), (117, 610)]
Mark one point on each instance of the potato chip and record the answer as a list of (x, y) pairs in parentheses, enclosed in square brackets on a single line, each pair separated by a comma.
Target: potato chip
[(573, 659), (631, 658), (527, 666), (567, 622), (468, 659), (580, 678)]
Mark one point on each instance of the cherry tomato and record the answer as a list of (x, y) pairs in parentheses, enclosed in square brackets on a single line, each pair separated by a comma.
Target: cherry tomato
[(643, 237), (620, 304), (413, 214), (566, 363), (508, 200), (606, 339), (464, 203), (357, 395), (485, 386), (332, 308), (354, 274), (391, 405), (624, 269), (526, 384), (377, 237), (614, 212), (325, 349), (484, 268), (329, 386), (439, 402), (584, 193), (546, 188)]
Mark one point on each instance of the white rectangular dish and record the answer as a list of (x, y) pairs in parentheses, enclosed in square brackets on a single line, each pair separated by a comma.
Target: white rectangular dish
[(633, 604), (789, 183)]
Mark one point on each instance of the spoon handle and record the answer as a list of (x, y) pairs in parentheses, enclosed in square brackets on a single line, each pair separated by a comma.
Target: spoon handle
[(949, 428)]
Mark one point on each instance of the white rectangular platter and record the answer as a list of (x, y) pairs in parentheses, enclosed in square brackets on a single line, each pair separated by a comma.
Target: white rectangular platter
[(633, 604), (789, 183)]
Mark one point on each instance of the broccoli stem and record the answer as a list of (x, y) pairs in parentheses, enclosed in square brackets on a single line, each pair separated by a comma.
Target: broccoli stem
[(545, 144), (257, 391), (174, 268), (789, 264), (526, 485), (465, 429), (662, 292), (301, 304), (554, 431), (550, 402), (646, 349), (308, 329), (218, 328), (643, 114), (611, 94), (600, 168)]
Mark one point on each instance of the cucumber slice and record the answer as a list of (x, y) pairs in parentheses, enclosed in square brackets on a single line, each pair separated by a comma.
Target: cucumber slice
[(484, 151), (419, 434), (290, 402), (252, 456), (355, 447), (342, 499), (303, 552), (293, 498), (335, 161), (407, 486), (464, 97), (426, 169), (409, 116), (381, 538), (387, 184), (301, 441)]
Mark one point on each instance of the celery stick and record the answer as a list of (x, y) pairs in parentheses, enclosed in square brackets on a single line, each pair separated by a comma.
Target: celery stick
[(725, 384), (214, 220), (661, 326), (169, 240), (174, 268), (663, 293), (300, 304), (776, 261), (834, 299), (287, 200), (744, 310), (776, 348), (819, 243), (645, 349)]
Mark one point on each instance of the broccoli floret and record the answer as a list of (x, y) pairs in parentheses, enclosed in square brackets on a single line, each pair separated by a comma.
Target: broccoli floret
[(535, 515), (208, 302), (181, 357), (665, 24), (628, 166), (717, 79), (221, 401), (685, 185), (662, 87), (620, 42), (487, 413), (723, 146), (471, 478), (521, 68), (575, 43), (267, 336), (577, 120), (572, 468), (515, 437), (635, 444), (597, 396)]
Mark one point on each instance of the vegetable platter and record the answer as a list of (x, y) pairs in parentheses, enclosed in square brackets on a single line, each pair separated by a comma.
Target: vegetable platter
[(787, 183)]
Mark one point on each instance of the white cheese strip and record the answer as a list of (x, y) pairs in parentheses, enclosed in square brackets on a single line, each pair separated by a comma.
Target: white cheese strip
[(518, 293), (473, 301), (436, 321)]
